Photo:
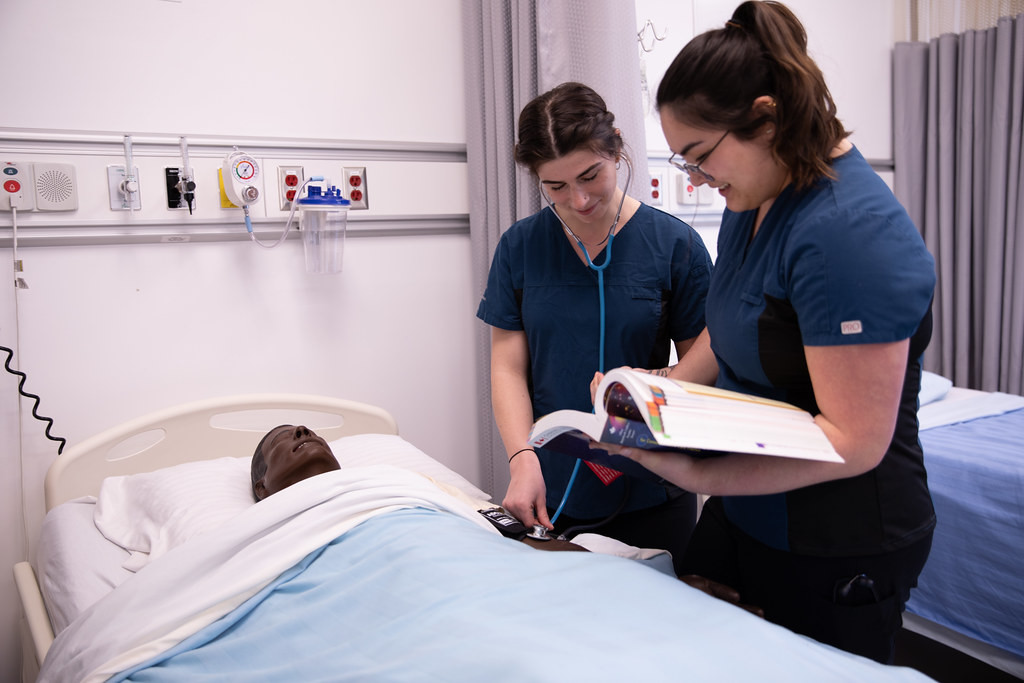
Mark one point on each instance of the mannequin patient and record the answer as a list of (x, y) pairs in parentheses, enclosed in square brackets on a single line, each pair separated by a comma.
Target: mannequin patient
[(287, 454)]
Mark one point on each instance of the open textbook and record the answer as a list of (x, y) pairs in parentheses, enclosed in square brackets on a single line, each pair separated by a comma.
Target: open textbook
[(634, 408)]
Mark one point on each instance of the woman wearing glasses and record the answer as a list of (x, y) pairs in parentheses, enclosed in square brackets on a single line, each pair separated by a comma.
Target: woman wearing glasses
[(595, 280), (821, 296)]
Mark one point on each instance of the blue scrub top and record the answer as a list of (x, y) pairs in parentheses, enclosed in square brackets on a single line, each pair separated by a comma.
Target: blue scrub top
[(839, 263), (655, 287)]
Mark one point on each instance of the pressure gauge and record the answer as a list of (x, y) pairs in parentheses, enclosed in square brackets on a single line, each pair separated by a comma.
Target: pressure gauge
[(241, 174), (245, 168)]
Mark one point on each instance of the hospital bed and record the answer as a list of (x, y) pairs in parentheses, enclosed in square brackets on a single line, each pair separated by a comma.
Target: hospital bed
[(970, 594), (373, 572)]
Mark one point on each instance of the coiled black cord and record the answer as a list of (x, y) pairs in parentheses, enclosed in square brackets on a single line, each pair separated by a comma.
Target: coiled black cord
[(35, 405), (580, 528)]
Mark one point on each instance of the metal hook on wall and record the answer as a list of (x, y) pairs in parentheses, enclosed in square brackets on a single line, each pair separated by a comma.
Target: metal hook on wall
[(641, 36)]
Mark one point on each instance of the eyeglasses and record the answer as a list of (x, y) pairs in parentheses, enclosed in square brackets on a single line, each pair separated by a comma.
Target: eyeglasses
[(692, 169)]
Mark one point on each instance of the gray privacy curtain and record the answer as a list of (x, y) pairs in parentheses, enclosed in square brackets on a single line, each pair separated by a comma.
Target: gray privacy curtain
[(514, 50), (959, 168)]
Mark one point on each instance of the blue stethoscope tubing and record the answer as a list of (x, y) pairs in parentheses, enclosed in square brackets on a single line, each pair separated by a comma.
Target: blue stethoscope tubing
[(600, 299)]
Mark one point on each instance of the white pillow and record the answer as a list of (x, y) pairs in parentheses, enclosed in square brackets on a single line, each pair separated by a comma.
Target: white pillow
[(933, 387), (148, 514), (391, 449)]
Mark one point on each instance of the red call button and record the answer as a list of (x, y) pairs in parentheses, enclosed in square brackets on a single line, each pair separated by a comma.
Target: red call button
[(12, 186)]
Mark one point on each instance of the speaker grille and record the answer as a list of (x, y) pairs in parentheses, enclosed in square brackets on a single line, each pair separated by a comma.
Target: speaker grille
[(54, 186)]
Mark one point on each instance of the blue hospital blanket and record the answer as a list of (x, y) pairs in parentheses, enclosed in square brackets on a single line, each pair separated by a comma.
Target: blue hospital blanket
[(421, 595), (972, 580)]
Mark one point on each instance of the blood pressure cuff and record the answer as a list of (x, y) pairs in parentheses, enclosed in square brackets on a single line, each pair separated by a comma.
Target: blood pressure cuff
[(509, 526)]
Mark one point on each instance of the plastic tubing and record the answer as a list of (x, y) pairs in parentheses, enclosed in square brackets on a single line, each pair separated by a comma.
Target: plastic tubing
[(184, 155), (291, 214)]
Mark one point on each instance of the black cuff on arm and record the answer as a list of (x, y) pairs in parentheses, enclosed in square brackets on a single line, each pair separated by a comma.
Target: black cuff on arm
[(509, 526)]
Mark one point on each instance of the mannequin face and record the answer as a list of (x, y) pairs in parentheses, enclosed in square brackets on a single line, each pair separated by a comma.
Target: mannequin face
[(291, 455)]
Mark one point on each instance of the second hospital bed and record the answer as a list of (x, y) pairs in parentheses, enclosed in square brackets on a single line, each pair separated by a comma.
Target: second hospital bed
[(970, 594), (368, 573)]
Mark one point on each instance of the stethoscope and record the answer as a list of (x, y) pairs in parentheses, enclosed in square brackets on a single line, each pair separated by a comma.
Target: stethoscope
[(610, 238)]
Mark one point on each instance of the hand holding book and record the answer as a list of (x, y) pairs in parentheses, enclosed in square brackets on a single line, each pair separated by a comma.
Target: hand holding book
[(636, 409)]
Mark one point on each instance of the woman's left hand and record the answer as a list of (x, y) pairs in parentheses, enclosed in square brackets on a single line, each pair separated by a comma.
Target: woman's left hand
[(598, 376), (673, 466)]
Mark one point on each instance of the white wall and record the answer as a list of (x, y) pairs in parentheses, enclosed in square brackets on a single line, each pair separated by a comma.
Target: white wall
[(109, 331), (312, 69), (851, 41)]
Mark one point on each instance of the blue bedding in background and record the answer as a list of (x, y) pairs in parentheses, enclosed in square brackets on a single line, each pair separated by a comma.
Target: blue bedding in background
[(972, 582), (420, 595)]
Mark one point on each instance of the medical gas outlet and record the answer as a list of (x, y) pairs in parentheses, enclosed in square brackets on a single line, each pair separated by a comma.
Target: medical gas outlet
[(181, 188), (123, 188)]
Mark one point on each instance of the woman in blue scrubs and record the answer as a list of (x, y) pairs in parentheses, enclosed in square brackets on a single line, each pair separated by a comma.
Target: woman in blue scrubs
[(594, 273), (821, 297)]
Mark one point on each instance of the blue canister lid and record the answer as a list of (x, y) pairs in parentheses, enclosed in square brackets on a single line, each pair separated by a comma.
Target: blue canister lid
[(317, 196)]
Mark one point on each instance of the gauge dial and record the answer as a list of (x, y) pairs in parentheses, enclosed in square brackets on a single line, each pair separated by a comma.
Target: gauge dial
[(245, 169)]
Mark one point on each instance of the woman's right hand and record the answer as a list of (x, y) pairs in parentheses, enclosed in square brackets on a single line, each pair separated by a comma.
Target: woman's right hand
[(526, 498)]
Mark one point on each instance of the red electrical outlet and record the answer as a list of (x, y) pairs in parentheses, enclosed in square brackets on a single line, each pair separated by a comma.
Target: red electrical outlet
[(289, 179), (355, 187)]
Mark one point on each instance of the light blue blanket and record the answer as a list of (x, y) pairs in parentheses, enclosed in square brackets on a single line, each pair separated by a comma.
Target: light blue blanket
[(423, 595)]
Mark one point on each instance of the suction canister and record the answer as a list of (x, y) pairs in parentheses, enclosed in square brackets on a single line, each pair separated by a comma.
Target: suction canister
[(323, 216)]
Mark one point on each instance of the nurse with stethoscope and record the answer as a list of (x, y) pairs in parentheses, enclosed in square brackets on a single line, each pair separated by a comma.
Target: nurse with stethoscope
[(596, 280)]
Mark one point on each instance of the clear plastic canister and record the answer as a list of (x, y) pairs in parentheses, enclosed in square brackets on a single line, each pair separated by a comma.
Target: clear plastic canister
[(322, 221)]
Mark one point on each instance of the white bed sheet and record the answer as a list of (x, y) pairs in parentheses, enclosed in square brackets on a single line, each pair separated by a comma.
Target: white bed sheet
[(961, 405), (75, 564)]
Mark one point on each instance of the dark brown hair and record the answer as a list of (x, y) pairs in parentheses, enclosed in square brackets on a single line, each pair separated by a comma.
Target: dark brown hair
[(568, 117), (762, 50)]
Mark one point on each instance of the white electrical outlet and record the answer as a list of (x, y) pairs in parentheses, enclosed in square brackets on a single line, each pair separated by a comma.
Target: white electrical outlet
[(16, 186), (354, 187), (289, 180)]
